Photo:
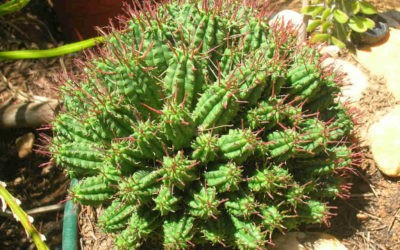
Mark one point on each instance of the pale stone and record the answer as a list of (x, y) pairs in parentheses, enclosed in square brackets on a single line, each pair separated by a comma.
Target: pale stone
[(308, 241), (384, 139), (354, 80), (330, 50), (18, 181), (24, 145), (288, 18), (383, 59)]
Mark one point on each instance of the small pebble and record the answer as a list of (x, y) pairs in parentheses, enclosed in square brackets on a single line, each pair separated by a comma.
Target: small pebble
[(362, 216), (18, 181), (24, 145), (330, 50)]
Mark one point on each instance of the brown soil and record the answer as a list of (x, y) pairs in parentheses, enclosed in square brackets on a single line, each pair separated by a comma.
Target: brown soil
[(20, 81), (369, 219)]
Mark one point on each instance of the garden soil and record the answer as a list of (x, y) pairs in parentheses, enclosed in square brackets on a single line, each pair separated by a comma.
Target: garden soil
[(368, 219)]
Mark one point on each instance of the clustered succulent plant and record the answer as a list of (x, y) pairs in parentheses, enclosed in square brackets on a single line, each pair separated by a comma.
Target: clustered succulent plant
[(201, 125), (335, 21)]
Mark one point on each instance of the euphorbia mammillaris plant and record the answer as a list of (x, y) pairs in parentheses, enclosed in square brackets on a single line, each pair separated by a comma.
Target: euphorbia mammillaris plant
[(203, 126)]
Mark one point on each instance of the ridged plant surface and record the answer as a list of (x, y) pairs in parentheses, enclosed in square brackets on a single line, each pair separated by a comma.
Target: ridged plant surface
[(199, 125)]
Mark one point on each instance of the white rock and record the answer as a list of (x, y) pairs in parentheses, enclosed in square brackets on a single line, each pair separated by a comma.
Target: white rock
[(288, 18), (308, 241), (384, 139), (330, 50), (354, 81)]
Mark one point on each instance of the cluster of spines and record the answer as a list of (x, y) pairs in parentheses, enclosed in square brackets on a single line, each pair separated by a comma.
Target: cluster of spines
[(196, 118)]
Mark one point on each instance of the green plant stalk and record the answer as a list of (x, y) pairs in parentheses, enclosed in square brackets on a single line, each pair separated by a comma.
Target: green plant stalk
[(20, 215), (340, 30), (59, 51), (12, 6)]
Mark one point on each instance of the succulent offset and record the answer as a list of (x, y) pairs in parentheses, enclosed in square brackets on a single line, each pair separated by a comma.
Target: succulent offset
[(200, 125)]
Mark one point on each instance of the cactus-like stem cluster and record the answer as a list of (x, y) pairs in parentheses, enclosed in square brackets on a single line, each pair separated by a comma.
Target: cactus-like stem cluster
[(202, 125)]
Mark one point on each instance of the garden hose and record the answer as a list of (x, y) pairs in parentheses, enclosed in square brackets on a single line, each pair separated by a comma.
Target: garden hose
[(69, 234)]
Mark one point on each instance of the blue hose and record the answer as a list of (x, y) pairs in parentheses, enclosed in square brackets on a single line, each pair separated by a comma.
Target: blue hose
[(70, 224)]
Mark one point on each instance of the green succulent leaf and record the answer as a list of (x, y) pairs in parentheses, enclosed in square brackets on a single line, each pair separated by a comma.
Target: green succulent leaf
[(327, 12), (337, 42), (355, 7), (340, 16), (369, 23), (313, 25), (320, 37), (312, 10), (367, 8), (325, 26), (360, 24)]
